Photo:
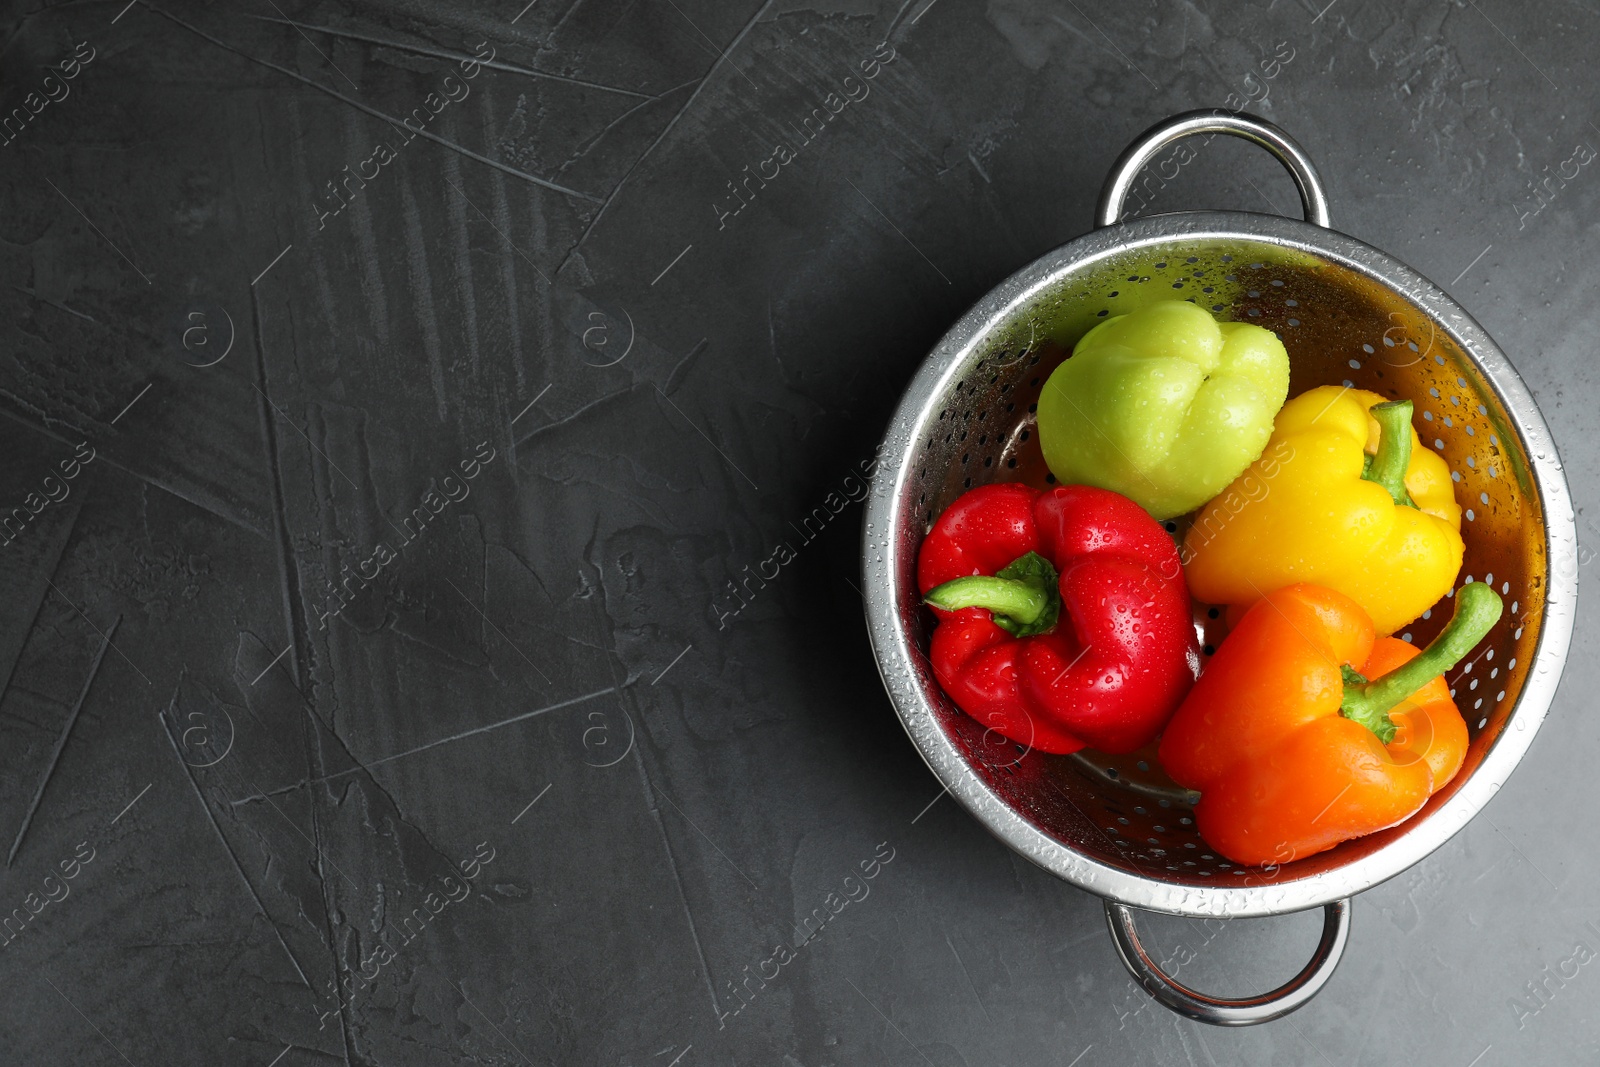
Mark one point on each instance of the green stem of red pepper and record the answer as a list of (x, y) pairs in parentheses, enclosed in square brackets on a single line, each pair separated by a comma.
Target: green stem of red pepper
[(1023, 596), (1478, 608), (1388, 467)]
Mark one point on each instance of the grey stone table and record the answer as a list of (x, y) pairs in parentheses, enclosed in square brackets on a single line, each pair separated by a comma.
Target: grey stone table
[(394, 391)]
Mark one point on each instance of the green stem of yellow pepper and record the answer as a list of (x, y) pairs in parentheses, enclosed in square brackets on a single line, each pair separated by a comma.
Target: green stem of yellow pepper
[(1388, 467), (1478, 608)]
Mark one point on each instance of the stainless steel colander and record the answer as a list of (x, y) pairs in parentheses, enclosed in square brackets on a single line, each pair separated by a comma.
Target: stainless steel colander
[(1116, 825)]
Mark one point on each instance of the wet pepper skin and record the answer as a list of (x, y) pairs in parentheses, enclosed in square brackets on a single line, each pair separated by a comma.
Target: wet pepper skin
[(1122, 654), (1282, 773), (1165, 405), (1315, 517)]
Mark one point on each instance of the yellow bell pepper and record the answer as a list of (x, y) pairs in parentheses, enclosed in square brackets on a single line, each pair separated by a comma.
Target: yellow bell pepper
[(1343, 496)]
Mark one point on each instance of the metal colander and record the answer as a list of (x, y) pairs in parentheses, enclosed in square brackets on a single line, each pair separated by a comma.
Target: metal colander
[(1117, 826)]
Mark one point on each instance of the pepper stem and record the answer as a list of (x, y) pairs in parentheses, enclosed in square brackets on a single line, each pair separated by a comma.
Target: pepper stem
[(1388, 467), (1478, 608), (1023, 597)]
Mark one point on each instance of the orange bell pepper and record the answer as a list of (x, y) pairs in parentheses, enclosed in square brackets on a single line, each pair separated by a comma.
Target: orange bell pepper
[(1293, 750)]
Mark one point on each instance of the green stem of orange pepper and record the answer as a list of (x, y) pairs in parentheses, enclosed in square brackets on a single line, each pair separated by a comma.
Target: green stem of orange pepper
[(1478, 608)]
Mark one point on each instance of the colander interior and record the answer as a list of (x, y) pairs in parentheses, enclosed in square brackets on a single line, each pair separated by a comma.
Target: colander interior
[(1340, 324)]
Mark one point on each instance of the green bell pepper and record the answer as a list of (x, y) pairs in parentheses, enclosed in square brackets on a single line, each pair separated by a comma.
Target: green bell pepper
[(1164, 405)]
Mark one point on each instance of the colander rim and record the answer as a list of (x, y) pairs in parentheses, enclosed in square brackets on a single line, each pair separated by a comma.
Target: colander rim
[(897, 660)]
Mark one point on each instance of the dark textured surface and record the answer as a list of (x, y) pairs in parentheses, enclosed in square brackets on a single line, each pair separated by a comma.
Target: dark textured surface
[(663, 388)]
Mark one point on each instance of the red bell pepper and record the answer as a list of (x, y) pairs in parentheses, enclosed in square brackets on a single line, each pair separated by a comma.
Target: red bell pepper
[(1005, 562)]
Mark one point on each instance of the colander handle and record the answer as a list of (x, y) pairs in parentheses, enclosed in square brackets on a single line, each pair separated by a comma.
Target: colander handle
[(1313, 198), (1220, 1011)]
